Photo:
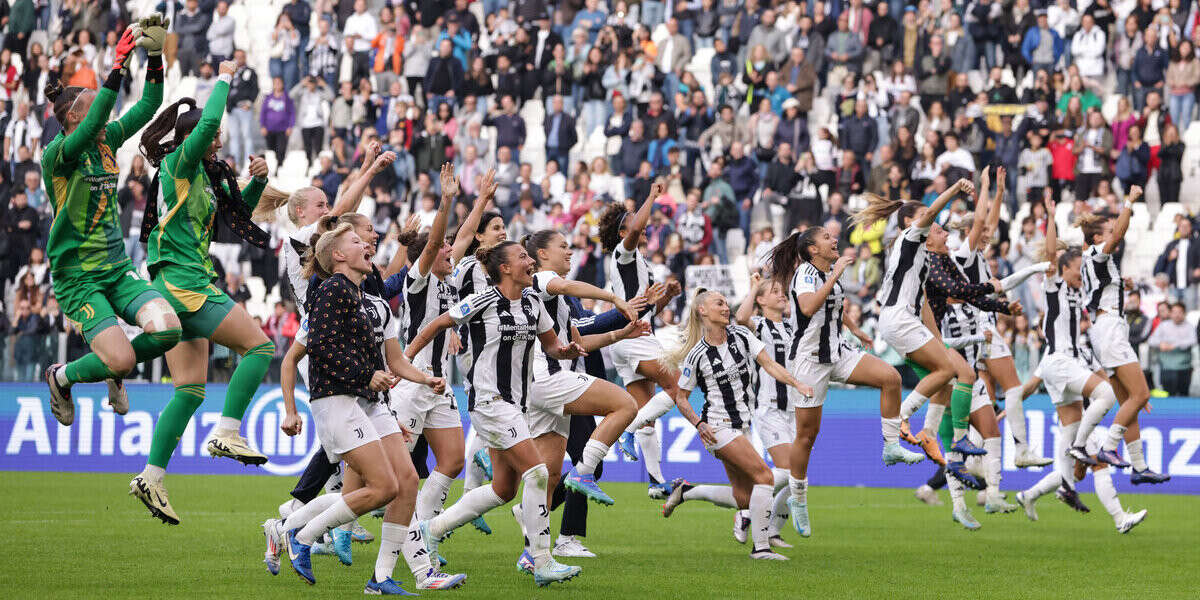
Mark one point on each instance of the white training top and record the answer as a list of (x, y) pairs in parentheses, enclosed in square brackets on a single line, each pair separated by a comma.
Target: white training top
[(560, 316), (817, 337), (907, 267), (725, 375), (1102, 282), (425, 298), (503, 333), (1064, 310), (777, 339)]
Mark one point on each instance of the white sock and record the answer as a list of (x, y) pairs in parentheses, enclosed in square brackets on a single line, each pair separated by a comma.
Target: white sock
[(956, 493), (912, 403), (933, 418), (337, 513), (415, 554), (991, 467), (1048, 483), (593, 452), (152, 473), (657, 406), (474, 476), (536, 514), (891, 430), (781, 478), (390, 544), (647, 438), (721, 495), (799, 489), (333, 485), (1137, 456), (1108, 495), (301, 516), (60, 375), (1116, 433), (1014, 413), (1103, 399), (760, 516), (289, 507), (228, 426), (472, 504), (779, 510), (432, 497), (1064, 462), (519, 515)]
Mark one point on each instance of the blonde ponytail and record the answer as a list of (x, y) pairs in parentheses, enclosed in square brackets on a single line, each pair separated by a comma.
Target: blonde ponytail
[(878, 208), (692, 334), (270, 201)]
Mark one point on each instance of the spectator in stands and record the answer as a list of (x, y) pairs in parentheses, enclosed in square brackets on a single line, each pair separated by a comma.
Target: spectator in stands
[(359, 31), (243, 92), (1174, 339), (1180, 262), (220, 34), (277, 117), (560, 132), (191, 24)]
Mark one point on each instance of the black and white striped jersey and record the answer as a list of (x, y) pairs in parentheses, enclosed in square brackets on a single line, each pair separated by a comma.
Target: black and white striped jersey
[(974, 265), (1102, 282), (725, 375), (425, 298), (962, 330), (1064, 309), (907, 267), (816, 337), (503, 333), (629, 273), (777, 338), (560, 315), (292, 249), (469, 277)]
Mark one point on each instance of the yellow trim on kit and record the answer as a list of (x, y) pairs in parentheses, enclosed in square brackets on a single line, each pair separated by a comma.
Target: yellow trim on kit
[(180, 198), (190, 300)]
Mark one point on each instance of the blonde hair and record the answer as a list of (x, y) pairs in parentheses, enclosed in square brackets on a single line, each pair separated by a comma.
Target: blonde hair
[(270, 200), (878, 208), (1092, 225), (691, 334), (318, 258), (298, 199)]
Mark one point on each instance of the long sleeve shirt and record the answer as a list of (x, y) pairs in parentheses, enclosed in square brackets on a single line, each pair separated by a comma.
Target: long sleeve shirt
[(341, 341), (946, 281), (1181, 337)]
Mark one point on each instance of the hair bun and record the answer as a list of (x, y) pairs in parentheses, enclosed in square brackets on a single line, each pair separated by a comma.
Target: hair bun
[(54, 88)]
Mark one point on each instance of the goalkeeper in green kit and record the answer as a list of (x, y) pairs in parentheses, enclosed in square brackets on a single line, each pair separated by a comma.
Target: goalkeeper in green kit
[(93, 278), (190, 189)]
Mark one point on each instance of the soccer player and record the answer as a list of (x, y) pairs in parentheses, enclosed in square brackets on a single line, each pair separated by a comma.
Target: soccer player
[(352, 333), (1063, 368), (907, 324), (637, 360), (719, 357), (1105, 291), (810, 264), (503, 322), (195, 187), (93, 278)]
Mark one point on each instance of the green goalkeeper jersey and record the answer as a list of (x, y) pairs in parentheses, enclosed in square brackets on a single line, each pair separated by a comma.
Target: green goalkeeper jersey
[(187, 207), (80, 176)]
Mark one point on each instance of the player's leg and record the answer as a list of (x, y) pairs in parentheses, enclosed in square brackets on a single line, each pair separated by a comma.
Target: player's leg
[(983, 419), (188, 362), (933, 358), (112, 356), (781, 471), (1133, 399), (1102, 396), (448, 447), (525, 459), (751, 477), (1004, 371), (872, 371), (575, 506), (238, 332), (618, 410), (477, 470), (651, 406)]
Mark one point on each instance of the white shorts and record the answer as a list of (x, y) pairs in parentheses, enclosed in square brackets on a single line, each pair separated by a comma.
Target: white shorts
[(500, 424), (419, 408), (997, 349), (1065, 377), (628, 354), (903, 330), (818, 375), (547, 397), (774, 426), (1110, 340), (724, 434), (344, 423), (979, 396)]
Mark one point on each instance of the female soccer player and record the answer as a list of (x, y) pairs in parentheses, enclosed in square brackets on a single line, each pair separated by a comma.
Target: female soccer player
[(907, 324), (503, 322), (996, 357), (719, 357), (351, 333), (1105, 292), (93, 278), (637, 360), (1065, 367), (810, 262), (195, 187)]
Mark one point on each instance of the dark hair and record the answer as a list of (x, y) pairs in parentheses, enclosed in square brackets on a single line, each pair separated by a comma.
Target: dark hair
[(610, 226), (415, 242), (1067, 257), (537, 241), (169, 120), (790, 252), (492, 258), (483, 223), (62, 98)]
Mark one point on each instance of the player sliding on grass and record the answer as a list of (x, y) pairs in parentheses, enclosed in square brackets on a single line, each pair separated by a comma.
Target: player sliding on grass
[(93, 278), (504, 322), (719, 357), (195, 186)]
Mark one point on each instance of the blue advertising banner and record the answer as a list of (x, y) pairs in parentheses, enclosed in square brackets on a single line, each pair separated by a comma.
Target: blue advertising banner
[(846, 452)]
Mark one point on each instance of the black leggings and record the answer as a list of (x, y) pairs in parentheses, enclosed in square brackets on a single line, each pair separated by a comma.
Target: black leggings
[(574, 517), (277, 142), (313, 138)]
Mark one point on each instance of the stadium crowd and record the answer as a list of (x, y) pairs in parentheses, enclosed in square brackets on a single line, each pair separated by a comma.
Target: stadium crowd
[(762, 117)]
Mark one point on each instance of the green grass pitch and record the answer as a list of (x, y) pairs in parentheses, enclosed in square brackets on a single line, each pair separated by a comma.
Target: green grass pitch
[(71, 535)]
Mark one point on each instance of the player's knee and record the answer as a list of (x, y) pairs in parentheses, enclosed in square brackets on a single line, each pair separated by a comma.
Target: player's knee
[(407, 479), (451, 467), (506, 491), (122, 362), (762, 476), (624, 408), (385, 489), (891, 381), (265, 348)]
